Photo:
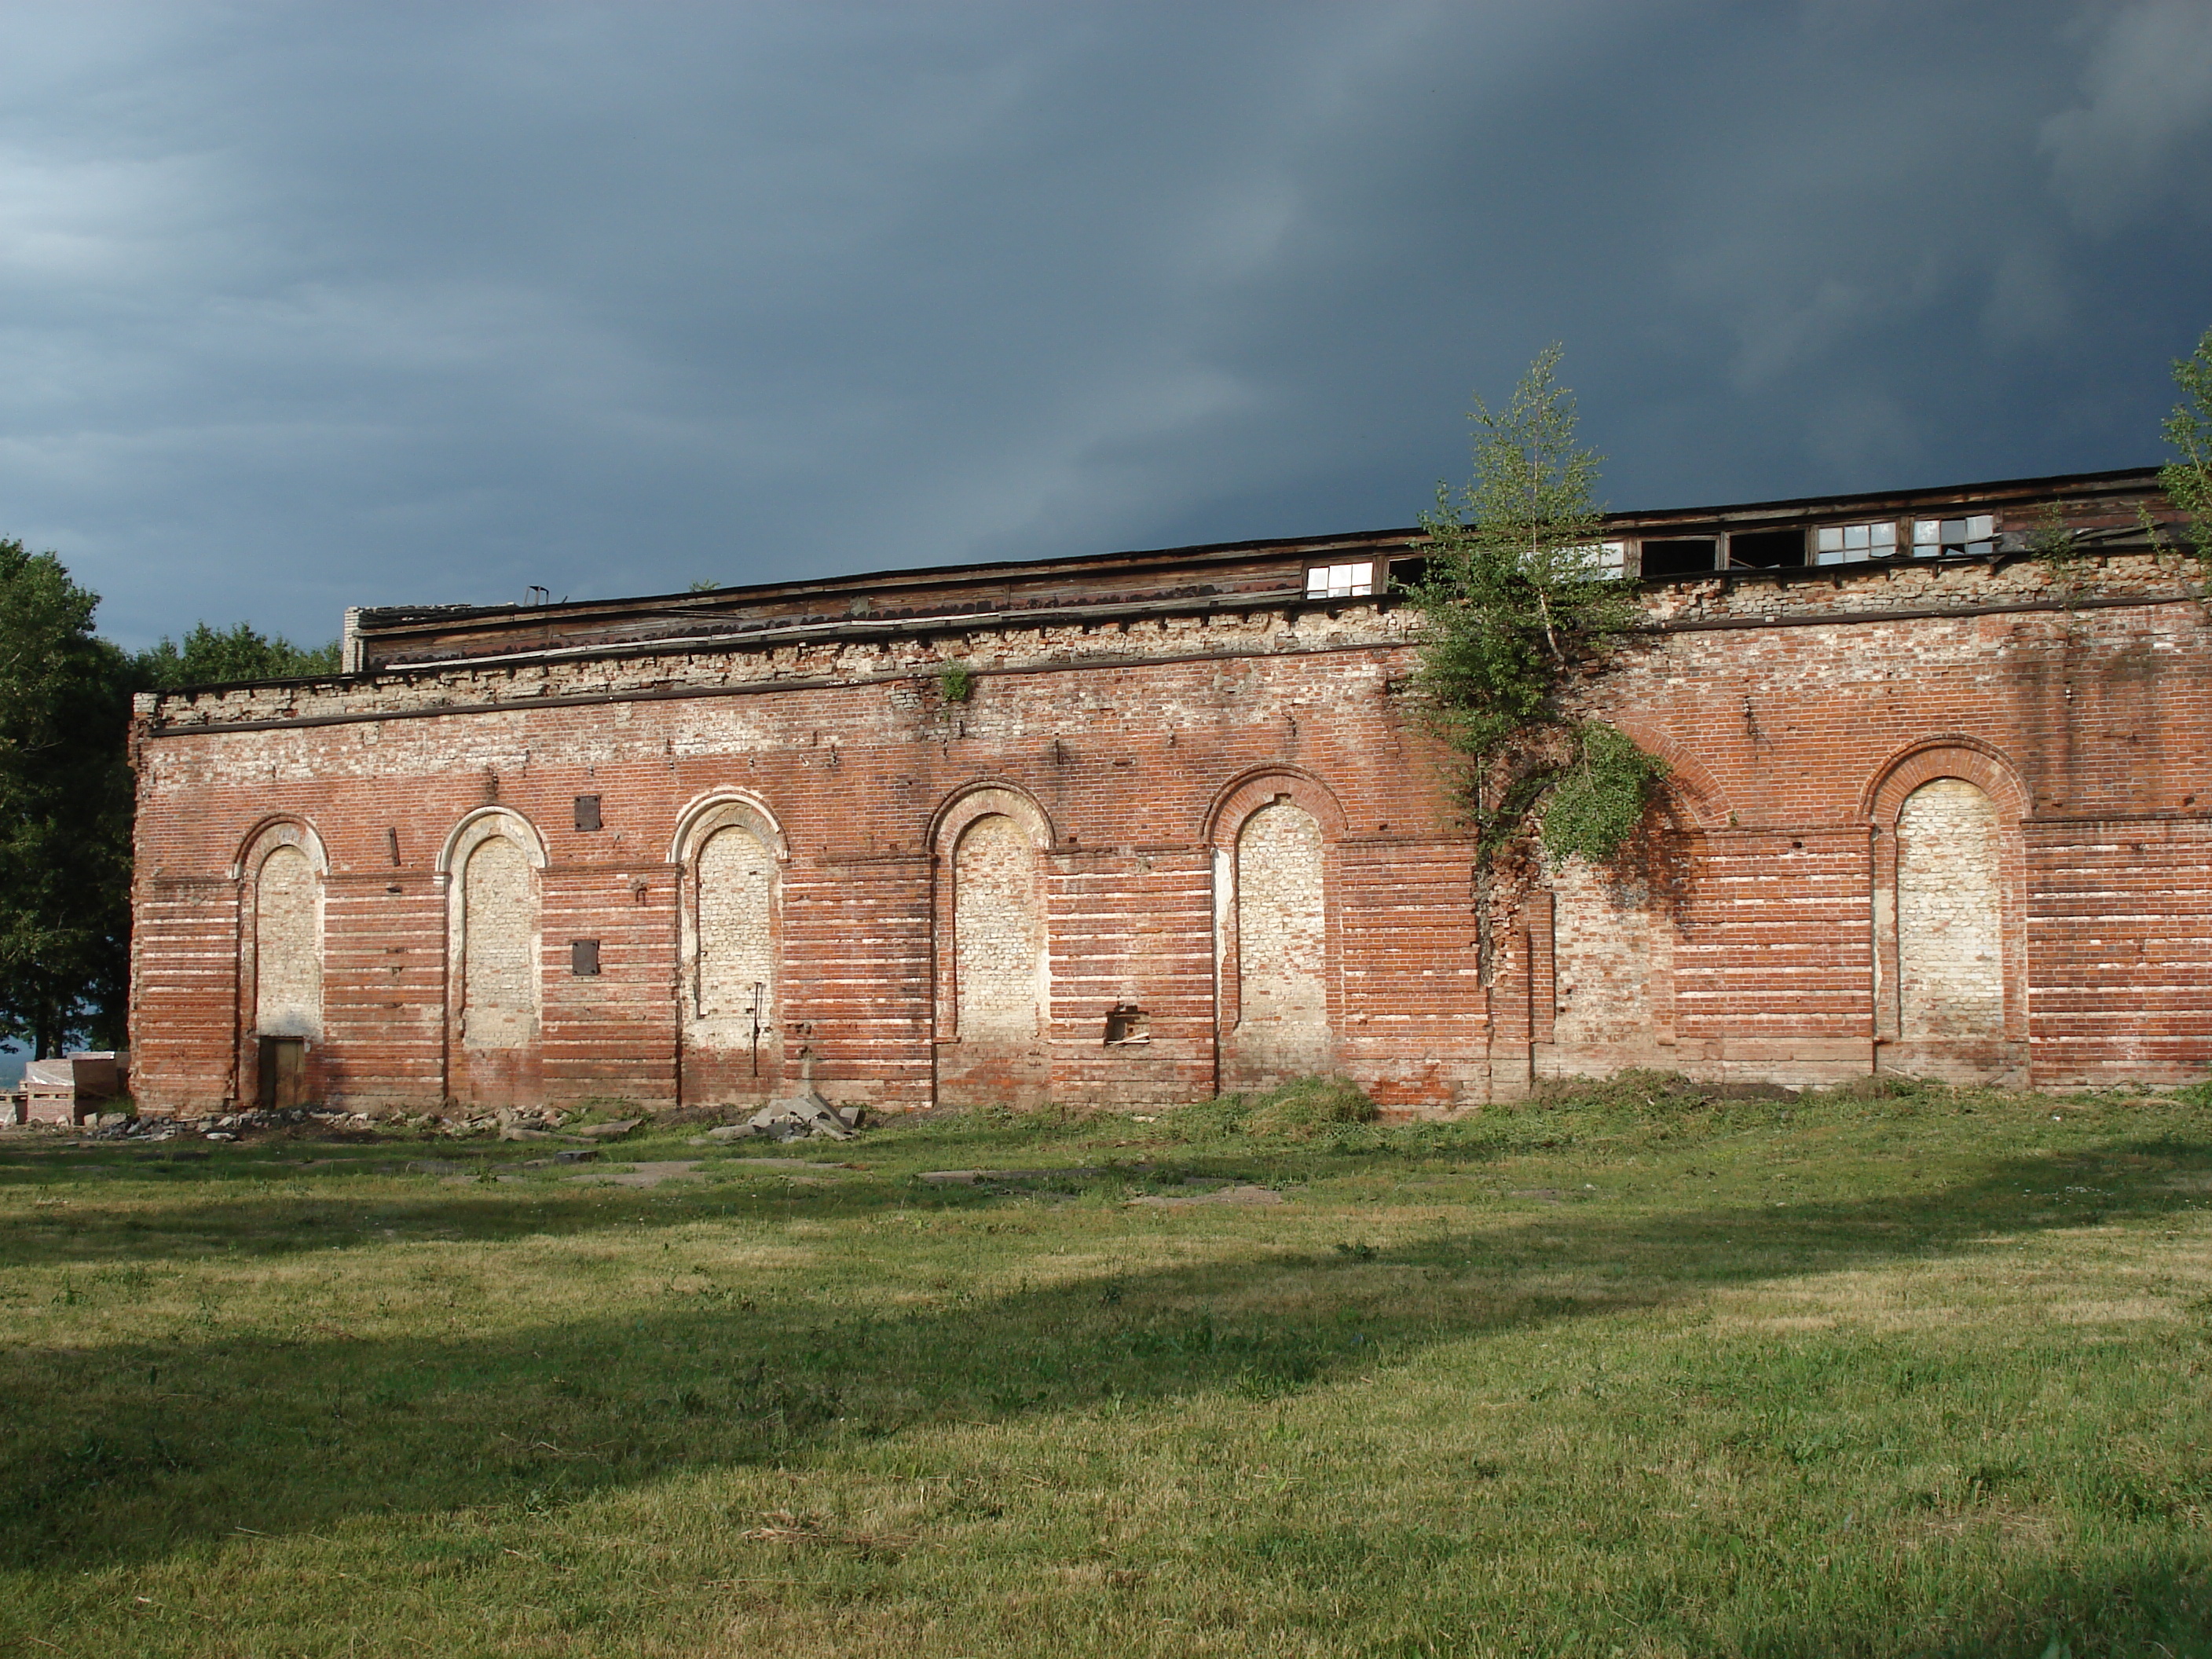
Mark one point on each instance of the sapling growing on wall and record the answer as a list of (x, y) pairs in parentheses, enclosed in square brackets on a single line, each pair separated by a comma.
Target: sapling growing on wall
[(2187, 478), (1517, 610)]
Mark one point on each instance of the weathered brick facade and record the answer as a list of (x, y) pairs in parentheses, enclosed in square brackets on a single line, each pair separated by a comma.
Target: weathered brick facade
[(1945, 815)]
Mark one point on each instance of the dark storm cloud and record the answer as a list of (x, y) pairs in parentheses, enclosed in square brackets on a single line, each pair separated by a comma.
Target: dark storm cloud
[(303, 307)]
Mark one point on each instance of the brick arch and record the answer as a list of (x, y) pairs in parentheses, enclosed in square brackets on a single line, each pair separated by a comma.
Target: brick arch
[(280, 964), (982, 799), (1689, 782), (493, 1054), (988, 1049), (1952, 755), (481, 826), (730, 946), (283, 830), (1246, 1057), (718, 809), (1263, 786), (1988, 768)]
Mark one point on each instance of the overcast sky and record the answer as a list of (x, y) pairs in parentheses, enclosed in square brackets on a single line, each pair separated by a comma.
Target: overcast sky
[(304, 306)]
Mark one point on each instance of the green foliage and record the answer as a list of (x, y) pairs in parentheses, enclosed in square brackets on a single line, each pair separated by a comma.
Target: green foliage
[(1308, 1106), (1596, 803), (66, 793), (2057, 548), (1301, 1109), (65, 810), (222, 656), (1517, 610), (1514, 595), (2187, 479), (956, 683)]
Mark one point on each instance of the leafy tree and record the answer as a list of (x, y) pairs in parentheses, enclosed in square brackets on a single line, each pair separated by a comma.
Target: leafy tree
[(2187, 479), (1516, 609), (65, 810), (216, 656)]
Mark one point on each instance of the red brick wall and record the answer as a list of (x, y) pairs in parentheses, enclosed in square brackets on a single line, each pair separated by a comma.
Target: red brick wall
[(1763, 909)]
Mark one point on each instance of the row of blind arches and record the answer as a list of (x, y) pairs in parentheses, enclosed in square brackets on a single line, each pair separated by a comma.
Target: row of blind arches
[(1949, 973), (731, 854)]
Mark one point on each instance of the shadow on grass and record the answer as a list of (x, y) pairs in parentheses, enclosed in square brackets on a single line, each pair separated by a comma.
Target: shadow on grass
[(90, 1209), (130, 1451)]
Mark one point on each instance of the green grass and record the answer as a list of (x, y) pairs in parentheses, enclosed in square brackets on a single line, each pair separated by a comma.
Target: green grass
[(1634, 1372)]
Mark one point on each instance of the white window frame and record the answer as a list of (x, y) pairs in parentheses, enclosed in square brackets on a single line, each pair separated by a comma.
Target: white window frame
[(1853, 544), (1968, 536), (1340, 581)]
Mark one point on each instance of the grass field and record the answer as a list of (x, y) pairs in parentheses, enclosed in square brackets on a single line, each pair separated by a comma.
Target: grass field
[(1625, 1374)]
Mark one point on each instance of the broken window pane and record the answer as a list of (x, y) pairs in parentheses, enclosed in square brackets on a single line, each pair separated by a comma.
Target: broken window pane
[(1952, 538), (1848, 544), (1766, 550), (1682, 557)]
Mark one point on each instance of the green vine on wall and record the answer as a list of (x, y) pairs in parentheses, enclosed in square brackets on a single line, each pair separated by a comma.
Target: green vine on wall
[(1517, 613)]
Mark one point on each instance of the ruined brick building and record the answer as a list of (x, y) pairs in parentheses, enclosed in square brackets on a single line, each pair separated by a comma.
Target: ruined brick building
[(1140, 827)]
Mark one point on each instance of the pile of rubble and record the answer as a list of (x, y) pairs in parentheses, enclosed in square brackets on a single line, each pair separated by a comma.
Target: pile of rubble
[(227, 1126), (798, 1117), (802, 1116), (519, 1124)]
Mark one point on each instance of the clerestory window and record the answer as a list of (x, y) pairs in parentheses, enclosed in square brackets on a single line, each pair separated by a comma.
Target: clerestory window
[(1953, 538), (1852, 543), (1340, 581)]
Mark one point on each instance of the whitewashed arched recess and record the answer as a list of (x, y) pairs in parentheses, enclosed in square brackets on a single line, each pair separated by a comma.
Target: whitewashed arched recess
[(1282, 927), (1950, 915), (282, 870), (491, 864), (731, 853), (992, 948)]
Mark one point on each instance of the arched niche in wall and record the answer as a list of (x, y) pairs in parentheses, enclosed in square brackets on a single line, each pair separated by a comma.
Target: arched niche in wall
[(282, 870), (731, 853), (992, 948), (492, 866), (1603, 955), (1276, 944), (1949, 910)]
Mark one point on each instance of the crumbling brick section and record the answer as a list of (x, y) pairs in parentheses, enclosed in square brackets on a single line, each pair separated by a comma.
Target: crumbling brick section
[(998, 930), (737, 944), (996, 923), (287, 947), (1282, 942), (499, 967), (1613, 977), (1949, 911)]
